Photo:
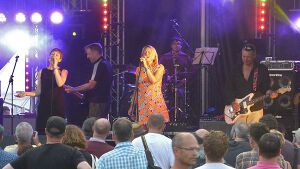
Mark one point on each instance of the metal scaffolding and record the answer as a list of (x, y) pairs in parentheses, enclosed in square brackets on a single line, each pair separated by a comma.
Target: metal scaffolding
[(72, 5), (114, 49)]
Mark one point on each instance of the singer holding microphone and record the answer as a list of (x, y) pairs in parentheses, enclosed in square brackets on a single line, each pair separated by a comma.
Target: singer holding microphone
[(50, 90), (149, 82)]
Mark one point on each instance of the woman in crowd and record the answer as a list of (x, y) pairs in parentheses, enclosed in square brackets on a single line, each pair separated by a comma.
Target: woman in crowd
[(74, 137)]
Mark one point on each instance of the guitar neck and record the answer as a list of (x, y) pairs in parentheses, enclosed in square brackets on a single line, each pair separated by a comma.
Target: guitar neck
[(258, 99)]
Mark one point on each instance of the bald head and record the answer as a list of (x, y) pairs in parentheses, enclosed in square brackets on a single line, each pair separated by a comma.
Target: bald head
[(182, 139), (101, 127), (202, 133)]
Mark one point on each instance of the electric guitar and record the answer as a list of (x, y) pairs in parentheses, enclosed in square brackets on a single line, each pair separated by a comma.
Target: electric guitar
[(78, 94), (245, 114)]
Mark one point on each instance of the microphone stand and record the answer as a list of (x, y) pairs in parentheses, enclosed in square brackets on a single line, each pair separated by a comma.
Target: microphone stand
[(135, 105), (11, 82), (174, 26)]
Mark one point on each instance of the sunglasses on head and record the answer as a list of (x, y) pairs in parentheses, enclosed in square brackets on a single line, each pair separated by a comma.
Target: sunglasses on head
[(249, 47)]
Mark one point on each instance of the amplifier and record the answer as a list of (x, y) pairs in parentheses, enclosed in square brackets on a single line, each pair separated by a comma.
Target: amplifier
[(282, 65)]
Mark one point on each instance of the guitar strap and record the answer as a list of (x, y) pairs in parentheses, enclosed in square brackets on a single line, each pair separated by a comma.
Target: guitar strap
[(254, 85)]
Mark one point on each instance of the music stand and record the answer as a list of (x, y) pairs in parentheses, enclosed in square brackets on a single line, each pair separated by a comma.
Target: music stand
[(205, 56)]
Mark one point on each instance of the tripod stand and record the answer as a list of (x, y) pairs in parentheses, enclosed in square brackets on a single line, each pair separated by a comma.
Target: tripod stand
[(11, 82)]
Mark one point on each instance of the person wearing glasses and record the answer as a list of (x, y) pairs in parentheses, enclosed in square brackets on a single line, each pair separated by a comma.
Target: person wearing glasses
[(149, 98), (50, 90), (185, 149), (248, 77)]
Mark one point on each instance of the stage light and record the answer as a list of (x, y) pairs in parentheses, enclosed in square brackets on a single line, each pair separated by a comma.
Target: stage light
[(20, 17), (74, 33), (36, 18), (17, 40), (2, 18), (262, 12), (56, 17), (105, 18), (105, 27), (297, 23)]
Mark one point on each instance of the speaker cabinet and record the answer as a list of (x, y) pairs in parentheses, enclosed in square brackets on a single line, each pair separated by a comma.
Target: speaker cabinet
[(284, 104), (215, 125), (7, 122)]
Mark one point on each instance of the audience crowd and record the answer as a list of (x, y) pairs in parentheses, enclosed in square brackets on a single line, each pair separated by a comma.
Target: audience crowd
[(259, 145)]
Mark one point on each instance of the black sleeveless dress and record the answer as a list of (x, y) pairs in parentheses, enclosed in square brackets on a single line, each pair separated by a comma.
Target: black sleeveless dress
[(51, 100)]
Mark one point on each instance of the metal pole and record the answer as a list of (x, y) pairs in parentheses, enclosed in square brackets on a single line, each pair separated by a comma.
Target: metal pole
[(204, 76)]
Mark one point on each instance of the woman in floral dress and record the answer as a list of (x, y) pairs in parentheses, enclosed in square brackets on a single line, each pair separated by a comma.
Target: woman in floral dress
[(150, 98)]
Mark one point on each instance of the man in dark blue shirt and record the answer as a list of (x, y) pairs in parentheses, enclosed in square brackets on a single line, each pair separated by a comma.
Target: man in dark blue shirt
[(99, 85)]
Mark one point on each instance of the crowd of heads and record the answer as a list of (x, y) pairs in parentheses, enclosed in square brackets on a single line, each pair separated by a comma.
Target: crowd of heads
[(186, 146)]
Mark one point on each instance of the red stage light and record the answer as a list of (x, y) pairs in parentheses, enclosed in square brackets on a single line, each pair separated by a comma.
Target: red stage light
[(105, 12), (105, 5), (263, 4), (263, 12), (262, 19), (262, 27), (105, 19), (105, 27)]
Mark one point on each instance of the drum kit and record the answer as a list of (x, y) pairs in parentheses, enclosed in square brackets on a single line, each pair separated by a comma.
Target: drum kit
[(174, 89)]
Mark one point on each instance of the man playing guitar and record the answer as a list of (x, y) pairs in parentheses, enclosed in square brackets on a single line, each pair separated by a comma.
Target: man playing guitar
[(249, 77)]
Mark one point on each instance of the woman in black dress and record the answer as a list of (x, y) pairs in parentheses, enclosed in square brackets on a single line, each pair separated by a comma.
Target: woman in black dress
[(50, 90)]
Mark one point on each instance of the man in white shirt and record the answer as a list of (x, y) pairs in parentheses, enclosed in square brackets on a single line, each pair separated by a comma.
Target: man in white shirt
[(215, 146), (159, 145)]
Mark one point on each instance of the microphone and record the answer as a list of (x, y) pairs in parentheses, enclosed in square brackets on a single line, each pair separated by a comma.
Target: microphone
[(141, 58), (174, 21), (17, 57)]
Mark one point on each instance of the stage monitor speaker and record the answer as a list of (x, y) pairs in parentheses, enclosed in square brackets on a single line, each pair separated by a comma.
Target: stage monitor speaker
[(215, 125), (284, 104), (16, 120)]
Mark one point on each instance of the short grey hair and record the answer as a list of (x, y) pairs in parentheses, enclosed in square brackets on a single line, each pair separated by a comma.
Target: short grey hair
[(24, 133), (241, 130)]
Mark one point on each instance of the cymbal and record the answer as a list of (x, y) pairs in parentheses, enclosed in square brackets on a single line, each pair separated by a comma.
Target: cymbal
[(125, 68), (184, 73)]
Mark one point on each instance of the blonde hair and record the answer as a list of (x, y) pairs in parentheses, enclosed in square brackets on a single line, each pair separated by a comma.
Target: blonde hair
[(153, 52), (279, 135), (74, 137)]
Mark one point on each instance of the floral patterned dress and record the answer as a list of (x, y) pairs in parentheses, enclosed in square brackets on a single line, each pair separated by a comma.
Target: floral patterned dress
[(150, 97)]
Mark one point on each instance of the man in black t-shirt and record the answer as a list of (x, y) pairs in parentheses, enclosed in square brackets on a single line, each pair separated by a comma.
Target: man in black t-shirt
[(248, 77), (52, 155), (99, 86)]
